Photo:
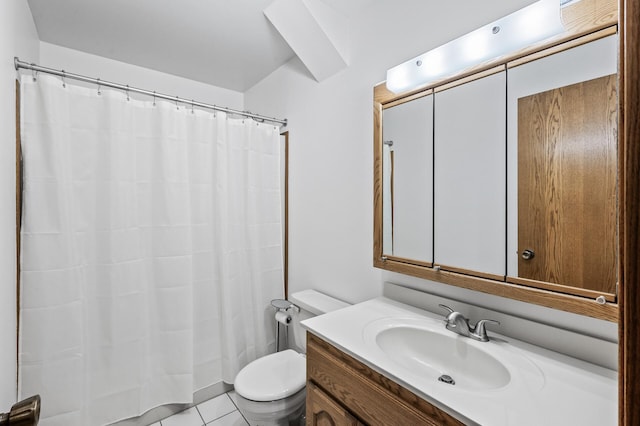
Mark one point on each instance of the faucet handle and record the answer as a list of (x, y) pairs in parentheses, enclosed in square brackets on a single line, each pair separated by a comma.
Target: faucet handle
[(480, 331), (447, 308), (447, 320)]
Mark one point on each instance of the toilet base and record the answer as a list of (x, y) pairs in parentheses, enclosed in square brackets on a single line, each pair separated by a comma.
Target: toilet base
[(284, 412)]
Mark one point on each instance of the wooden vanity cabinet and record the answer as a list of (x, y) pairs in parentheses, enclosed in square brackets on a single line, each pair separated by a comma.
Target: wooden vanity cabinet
[(322, 410), (343, 391)]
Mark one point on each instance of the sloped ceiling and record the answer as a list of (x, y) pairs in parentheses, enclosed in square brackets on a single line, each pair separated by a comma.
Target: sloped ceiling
[(226, 43)]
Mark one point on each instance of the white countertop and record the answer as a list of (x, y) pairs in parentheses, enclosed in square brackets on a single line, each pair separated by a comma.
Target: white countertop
[(546, 388)]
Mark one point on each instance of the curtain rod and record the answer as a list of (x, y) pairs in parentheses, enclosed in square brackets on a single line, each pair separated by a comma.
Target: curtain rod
[(62, 73)]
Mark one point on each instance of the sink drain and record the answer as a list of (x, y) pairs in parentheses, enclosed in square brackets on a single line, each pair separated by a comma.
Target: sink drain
[(446, 379)]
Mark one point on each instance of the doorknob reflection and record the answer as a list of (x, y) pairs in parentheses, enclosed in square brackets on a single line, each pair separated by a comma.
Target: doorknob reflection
[(528, 254)]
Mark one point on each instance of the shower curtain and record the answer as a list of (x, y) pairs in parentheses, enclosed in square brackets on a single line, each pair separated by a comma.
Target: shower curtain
[(151, 247)]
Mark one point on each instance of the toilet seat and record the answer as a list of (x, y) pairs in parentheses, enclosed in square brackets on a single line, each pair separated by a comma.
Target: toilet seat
[(272, 377)]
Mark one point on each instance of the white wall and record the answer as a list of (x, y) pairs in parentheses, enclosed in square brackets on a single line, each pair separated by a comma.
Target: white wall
[(331, 153), (18, 37), (331, 134), (77, 62)]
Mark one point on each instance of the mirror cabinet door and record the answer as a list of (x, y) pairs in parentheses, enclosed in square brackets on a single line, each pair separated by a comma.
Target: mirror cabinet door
[(407, 134), (470, 176), (562, 162)]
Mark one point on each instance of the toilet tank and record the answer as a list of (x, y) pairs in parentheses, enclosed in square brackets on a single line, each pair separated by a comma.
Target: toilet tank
[(311, 304)]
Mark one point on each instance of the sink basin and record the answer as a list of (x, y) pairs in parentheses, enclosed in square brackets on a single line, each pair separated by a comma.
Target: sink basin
[(435, 354), (429, 352)]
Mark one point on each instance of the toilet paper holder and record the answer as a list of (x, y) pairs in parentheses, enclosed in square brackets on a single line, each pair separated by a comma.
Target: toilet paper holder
[(283, 305), (282, 317), (22, 413)]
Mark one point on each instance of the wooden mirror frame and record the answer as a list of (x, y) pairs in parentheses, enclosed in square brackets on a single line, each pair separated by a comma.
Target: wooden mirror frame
[(584, 21)]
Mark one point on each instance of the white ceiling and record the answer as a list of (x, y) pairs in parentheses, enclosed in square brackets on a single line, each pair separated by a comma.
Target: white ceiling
[(226, 43)]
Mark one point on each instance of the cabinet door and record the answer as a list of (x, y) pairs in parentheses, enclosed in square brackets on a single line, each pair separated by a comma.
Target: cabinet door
[(322, 410), (562, 136), (407, 131), (470, 177)]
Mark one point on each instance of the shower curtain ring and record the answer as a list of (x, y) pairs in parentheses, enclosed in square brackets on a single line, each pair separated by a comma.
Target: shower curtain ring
[(99, 92), (154, 98), (64, 84), (177, 107), (192, 111), (34, 74), (127, 91)]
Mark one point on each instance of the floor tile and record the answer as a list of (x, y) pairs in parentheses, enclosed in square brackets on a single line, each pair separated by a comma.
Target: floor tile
[(232, 419), (188, 417), (216, 408), (234, 397)]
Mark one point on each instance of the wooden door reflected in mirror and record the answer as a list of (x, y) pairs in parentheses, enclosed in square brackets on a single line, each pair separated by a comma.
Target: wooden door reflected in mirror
[(567, 185), (562, 159)]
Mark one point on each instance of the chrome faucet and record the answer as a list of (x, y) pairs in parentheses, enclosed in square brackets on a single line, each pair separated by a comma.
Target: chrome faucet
[(458, 323)]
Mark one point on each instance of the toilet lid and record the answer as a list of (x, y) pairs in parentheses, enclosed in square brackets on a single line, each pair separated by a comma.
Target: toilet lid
[(272, 377)]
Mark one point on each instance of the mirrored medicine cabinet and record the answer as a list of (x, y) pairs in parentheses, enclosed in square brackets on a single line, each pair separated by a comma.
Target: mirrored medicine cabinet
[(504, 179)]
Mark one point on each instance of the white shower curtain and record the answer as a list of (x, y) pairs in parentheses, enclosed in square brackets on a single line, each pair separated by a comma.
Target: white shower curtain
[(151, 247)]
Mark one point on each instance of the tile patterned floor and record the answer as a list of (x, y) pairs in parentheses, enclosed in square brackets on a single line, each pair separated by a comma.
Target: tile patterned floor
[(219, 411)]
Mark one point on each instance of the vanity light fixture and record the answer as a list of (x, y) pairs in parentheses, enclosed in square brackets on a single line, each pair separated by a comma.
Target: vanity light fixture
[(526, 26)]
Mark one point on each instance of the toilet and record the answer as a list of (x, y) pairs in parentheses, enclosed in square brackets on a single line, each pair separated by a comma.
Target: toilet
[(271, 390)]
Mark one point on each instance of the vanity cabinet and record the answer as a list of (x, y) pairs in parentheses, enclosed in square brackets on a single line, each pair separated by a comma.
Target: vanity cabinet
[(469, 177), (344, 391), (322, 410)]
